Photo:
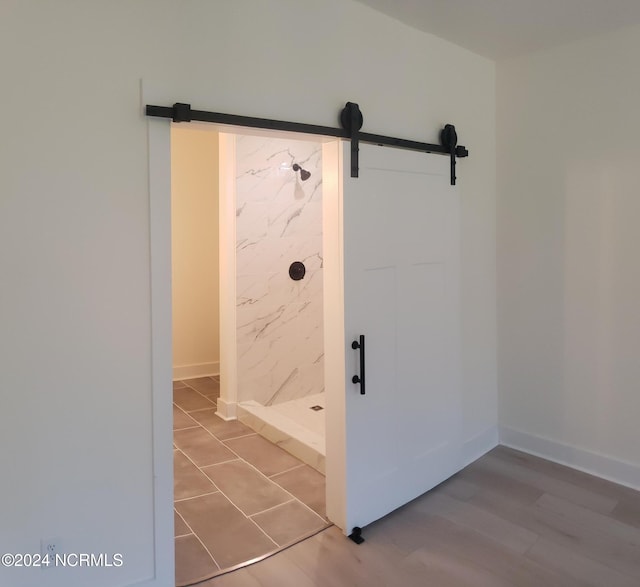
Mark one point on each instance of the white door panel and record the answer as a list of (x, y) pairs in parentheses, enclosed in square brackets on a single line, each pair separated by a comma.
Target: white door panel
[(401, 265)]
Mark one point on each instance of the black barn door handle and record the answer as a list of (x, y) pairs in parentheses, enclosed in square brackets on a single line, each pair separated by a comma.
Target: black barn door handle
[(355, 379)]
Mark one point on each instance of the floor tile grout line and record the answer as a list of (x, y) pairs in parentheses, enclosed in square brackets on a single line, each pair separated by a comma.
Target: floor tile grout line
[(219, 439), (235, 506), (186, 428), (287, 470), (241, 567), (269, 479), (243, 436), (215, 464), (297, 498), (177, 406), (262, 530), (197, 391), (181, 409), (222, 492), (242, 458), (293, 497), (239, 457), (325, 522), (259, 473), (199, 425), (202, 409), (184, 381), (309, 508), (215, 562), (213, 406), (273, 507), (197, 496), (213, 403), (200, 468)]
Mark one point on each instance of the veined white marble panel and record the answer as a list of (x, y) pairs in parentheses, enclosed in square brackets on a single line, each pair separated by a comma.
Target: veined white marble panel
[(254, 224), (250, 289), (304, 223), (281, 286), (308, 249), (279, 221), (288, 217), (259, 256)]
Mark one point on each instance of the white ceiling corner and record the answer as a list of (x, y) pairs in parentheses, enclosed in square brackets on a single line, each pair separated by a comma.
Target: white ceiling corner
[(500, 29)]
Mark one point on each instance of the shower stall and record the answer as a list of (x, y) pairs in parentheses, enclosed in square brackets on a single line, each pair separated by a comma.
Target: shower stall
[(279, 292)]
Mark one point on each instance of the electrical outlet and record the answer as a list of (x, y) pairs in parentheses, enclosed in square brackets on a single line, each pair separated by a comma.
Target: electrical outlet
[(50, 547)]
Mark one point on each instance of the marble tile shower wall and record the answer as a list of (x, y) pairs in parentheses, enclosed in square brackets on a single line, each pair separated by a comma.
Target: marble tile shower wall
[(279, 221)]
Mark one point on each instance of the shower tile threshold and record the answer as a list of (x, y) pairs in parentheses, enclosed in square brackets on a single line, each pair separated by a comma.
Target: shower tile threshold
[(238, 497), (293, 426)]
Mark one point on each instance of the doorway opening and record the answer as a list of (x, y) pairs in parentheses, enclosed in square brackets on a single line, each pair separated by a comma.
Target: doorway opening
[(248, 346), (391, 274)]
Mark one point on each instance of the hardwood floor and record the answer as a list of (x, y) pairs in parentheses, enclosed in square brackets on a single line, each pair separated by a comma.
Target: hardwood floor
[(507, 520)]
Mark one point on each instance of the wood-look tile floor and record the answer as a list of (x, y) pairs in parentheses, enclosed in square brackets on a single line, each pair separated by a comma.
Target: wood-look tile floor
[(507, 520), (237, 496)]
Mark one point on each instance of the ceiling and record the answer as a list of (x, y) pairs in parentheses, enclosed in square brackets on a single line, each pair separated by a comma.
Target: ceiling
[(504, 28)]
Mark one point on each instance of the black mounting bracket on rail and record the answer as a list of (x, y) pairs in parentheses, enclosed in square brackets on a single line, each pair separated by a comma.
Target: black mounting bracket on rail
[(350, 117), (449, 139)]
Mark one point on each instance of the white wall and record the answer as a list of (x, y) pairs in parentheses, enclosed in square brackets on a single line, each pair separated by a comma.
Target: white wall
[(75, 376), (194, 251), (568, 241), (278, 221)]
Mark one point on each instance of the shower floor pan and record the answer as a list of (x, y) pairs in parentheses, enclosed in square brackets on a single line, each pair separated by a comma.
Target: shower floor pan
[(297, 426)]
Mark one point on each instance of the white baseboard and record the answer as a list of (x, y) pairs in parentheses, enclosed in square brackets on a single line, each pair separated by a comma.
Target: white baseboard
[(621, 472), (479, 445), (227, 410), (193, 371)]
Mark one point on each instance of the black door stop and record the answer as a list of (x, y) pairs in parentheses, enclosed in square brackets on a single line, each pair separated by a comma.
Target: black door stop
[(356, 535)]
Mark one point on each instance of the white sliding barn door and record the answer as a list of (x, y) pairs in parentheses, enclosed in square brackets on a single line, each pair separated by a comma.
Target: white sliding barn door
[(401, 291)]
